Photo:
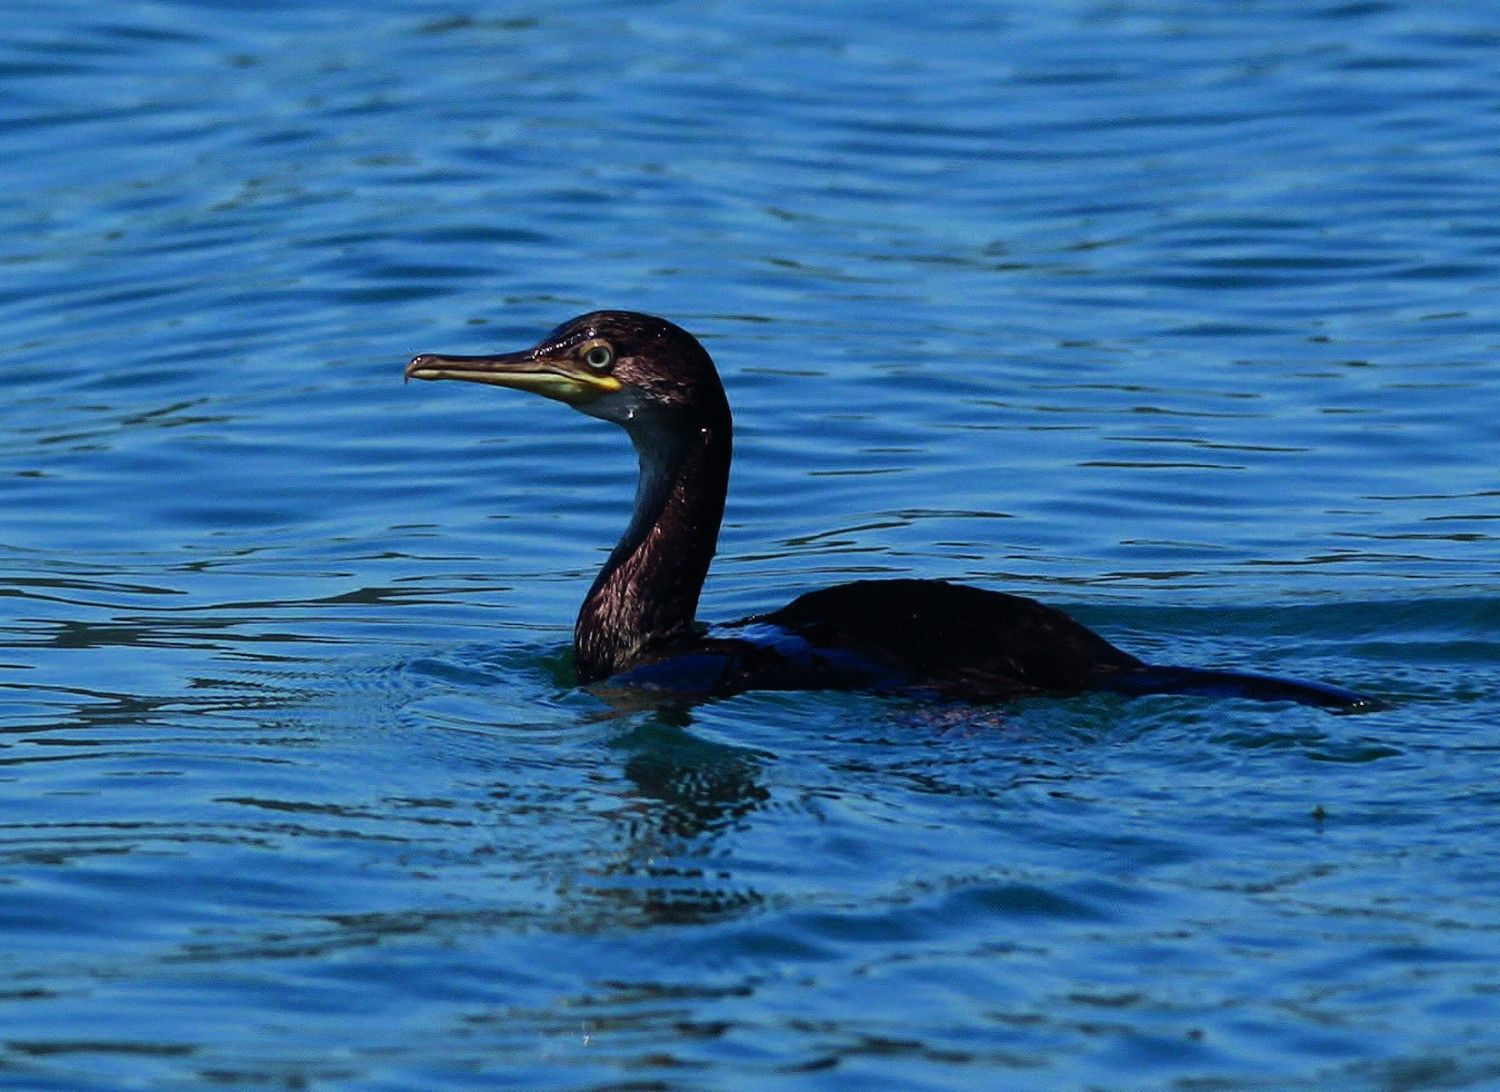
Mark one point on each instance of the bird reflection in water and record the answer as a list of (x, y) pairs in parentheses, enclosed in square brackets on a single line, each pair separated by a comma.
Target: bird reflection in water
[(689, 793)]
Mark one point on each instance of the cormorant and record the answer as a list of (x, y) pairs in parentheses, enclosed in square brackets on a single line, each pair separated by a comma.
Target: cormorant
[(637, 626)]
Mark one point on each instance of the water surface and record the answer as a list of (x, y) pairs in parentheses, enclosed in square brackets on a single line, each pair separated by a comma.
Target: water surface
[(1181, 316)]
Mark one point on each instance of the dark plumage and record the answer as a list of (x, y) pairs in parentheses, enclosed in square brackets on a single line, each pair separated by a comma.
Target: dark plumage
[(637, 624), (978, 644)]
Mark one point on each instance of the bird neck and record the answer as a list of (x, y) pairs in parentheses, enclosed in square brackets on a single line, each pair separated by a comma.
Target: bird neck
[(646, 596)]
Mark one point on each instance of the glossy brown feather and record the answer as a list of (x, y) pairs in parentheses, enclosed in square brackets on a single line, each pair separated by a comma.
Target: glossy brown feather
[(966, 642)]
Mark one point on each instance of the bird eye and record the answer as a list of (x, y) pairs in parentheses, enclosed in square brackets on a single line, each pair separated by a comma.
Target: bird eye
[(599, 357)]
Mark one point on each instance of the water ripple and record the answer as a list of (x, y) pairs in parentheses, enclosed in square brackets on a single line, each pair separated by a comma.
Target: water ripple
[(1181, 317)]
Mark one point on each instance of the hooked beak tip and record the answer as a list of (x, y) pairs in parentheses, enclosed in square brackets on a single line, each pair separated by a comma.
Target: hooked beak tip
[(419, 365)]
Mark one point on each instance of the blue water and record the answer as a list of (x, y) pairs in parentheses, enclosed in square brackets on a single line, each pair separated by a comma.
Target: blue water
[(1180, 315)]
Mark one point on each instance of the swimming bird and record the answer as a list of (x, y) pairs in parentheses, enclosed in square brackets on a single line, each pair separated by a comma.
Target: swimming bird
[(637, 627)]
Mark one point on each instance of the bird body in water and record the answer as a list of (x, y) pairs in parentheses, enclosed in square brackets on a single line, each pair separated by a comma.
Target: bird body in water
[(637, 626)]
